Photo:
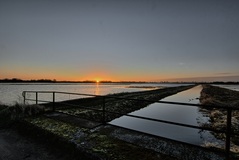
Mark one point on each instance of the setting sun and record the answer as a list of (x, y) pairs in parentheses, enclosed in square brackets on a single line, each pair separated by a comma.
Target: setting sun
[(97, 81)]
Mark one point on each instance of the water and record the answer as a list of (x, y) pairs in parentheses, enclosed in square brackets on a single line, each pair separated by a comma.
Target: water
[(231, 87), (175, 113), (12, 92)]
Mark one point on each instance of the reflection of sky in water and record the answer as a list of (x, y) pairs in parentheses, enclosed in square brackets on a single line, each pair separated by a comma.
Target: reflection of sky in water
[(175, 113), (193, 136), (11, 93), (97, 89)]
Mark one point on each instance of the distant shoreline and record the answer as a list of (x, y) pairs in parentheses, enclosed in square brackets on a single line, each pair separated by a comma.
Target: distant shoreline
[(146, 87), (48, 81)]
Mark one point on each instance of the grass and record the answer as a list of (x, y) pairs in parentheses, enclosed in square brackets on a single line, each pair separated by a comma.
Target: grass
[(95, 142), (217, 96), (4, 116), (13, 113)]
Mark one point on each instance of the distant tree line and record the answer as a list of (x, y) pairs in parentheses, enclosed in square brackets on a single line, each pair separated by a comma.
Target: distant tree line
[(225, 82), (17, 80)]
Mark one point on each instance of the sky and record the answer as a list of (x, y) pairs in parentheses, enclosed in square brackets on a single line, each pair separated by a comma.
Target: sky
[(120, 40)]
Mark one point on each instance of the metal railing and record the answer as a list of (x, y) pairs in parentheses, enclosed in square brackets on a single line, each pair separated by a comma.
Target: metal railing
[(228, 132)]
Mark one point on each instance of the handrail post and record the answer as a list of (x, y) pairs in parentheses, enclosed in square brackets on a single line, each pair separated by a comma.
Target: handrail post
[(24, 97), (36, 97), (228, 132), (53, 100), (104, 120)]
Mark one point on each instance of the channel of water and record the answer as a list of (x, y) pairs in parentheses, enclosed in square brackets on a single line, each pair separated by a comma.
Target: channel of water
[(175, 113)]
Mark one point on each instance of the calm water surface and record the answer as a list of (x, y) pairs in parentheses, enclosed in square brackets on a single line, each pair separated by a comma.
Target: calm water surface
[(11, 93), (175, 113), (231, 87)]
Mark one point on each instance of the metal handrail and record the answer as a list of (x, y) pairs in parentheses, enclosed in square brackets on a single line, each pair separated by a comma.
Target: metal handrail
[(228, 108), (142, 100)]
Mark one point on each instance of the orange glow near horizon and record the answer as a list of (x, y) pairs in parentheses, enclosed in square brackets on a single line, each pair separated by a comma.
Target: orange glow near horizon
[(98, 74), (115, 79), (105, 75), (98, 78)]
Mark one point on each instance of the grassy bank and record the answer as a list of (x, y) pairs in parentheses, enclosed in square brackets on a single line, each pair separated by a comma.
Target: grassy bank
[(212, 95), (13, 113)]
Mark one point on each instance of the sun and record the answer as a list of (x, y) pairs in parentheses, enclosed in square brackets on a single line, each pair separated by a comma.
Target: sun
[(97, 81)]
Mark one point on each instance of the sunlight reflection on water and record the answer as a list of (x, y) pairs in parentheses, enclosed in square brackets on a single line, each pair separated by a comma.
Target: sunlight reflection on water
[(12, 92)]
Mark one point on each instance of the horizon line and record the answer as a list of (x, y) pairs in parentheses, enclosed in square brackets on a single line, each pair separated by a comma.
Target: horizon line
[(110, 81)]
